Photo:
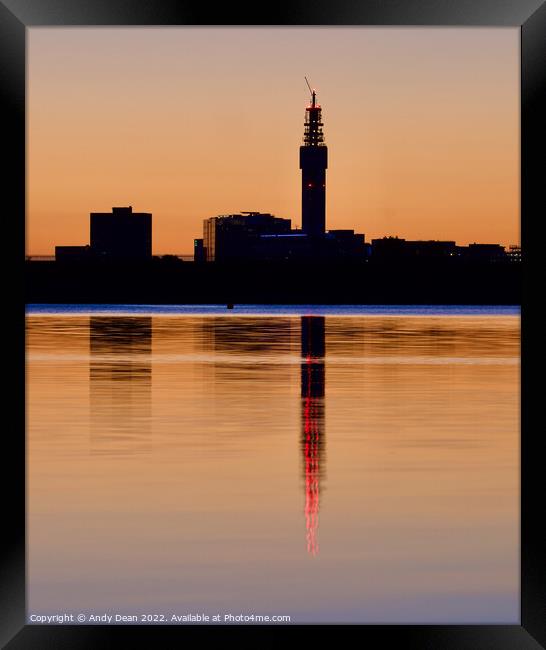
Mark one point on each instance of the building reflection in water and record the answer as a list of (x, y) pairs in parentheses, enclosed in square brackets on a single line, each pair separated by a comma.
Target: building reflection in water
[(312, 420), (120, 384)]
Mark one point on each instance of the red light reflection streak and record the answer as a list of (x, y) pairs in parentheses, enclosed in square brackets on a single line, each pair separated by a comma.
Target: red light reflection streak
[(311, 453)]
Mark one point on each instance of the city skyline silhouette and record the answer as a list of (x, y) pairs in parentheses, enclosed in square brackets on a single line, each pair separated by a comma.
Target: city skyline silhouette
[(429, 155)]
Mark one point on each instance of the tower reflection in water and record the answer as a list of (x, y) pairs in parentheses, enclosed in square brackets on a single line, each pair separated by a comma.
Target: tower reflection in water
[(312, 420), (120, 384)]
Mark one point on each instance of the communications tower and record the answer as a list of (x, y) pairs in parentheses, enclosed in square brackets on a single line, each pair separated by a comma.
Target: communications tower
[(313, 165)]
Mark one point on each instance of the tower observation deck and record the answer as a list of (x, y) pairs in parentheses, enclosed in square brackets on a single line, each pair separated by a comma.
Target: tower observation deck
[(313, 165)]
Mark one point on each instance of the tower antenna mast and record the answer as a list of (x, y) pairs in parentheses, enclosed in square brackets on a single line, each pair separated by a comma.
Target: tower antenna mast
[(311, 91)]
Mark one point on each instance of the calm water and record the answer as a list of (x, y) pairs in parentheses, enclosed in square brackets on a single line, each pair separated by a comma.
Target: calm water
[(340, 468)]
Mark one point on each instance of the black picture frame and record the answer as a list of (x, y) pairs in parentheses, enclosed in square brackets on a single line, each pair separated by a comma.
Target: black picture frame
[(530, 15)]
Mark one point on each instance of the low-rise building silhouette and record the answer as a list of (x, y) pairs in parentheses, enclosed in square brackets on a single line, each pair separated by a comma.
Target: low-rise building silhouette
[(398, 248), (72, 253), (484, 252)]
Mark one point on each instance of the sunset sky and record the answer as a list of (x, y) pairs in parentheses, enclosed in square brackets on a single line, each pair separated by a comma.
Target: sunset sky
[(422, 128)]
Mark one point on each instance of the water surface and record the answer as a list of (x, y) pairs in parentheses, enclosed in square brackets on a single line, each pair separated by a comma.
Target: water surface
[(331, 466)]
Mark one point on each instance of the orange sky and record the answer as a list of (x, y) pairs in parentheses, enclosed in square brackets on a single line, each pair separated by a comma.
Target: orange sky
[(422, 128)]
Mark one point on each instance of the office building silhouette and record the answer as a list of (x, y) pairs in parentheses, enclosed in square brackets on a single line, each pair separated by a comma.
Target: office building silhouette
[(121, 234), (238, 236)]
